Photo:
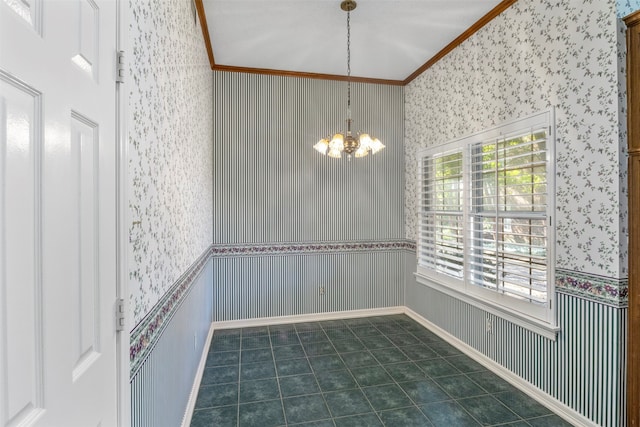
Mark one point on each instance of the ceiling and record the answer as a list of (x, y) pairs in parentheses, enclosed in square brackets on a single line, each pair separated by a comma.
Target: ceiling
[(390, 39)]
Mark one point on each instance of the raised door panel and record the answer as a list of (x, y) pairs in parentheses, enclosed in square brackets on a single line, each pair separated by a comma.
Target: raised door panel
[(84, 244), (21, 364), (29, 11), (58, 225), (86, 37)]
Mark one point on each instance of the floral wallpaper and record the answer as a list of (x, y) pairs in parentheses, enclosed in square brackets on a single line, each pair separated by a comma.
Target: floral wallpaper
[(170, 148), (624, 8), (561, 53)]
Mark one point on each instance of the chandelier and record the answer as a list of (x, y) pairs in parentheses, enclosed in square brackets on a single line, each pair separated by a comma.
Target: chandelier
[(361, 144)]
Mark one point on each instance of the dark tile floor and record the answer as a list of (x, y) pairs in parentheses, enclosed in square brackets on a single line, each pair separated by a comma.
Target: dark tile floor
[(374, 371)]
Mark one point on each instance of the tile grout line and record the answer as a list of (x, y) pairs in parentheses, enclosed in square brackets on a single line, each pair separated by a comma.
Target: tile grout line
[(338, 353), (434, 381), (403, 328), (395, 382), (239, 377), (454, 399), (314, 374), (351, 373), (275, 369), (377, 414), (409, 360)]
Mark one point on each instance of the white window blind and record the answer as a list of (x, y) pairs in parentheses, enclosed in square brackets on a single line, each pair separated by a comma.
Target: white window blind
[(508, 216), (485, 226), (442, 228)]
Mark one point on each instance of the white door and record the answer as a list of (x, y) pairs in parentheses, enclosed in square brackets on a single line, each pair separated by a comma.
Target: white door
[(57, 213)]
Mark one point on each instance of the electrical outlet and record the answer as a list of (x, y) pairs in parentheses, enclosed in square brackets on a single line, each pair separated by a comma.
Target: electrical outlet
[(195, 341), (321, 290), (489, 326)]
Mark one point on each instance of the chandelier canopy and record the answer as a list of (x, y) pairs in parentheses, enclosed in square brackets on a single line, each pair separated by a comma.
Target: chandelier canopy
[(361, 144)]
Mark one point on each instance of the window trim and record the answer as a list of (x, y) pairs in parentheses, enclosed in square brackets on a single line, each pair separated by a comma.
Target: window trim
[(539, 327), (541, 319)]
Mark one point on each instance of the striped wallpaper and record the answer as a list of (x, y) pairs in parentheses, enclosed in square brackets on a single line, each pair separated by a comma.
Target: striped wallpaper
[(317, 218), (285, 225), (298, 233), (270, 185), (306, 283), (584, 368), (273, 190), (164, 375)]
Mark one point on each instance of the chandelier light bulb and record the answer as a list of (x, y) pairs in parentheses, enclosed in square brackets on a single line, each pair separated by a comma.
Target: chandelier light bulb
[(361, 152), (376, 145), (322, 146), (336, 154), (365, 141), (337, 142)]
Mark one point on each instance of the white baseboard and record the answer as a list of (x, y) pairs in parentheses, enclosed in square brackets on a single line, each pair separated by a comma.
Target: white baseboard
[(191, 404), (540, 396), (193, 396), (316, 317)]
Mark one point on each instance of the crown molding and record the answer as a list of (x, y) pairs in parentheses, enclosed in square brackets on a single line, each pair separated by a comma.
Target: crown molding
[(493, 13)]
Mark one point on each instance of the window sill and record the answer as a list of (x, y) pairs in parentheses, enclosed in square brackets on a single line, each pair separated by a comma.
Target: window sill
[(534, 325)]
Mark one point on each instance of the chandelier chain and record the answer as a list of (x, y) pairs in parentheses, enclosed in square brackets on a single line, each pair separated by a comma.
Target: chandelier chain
[(349, 64), (360, 144)]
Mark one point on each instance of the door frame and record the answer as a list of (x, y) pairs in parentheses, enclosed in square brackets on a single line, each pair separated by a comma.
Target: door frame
[(633, 122), (122, 215)]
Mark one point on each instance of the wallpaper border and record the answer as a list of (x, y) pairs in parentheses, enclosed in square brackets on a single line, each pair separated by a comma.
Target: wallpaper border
[(606, 290), (147, 332), (309, 248), (600, 289)]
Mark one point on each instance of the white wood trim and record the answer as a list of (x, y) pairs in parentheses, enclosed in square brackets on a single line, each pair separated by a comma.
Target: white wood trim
[(265, 321), (534, 317), (122, 219), (540, 396), (193, 396), (534, 325), (316, 317)]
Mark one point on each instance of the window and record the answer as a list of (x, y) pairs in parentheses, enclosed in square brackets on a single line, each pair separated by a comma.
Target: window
[(442, 207), (485, 228)]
